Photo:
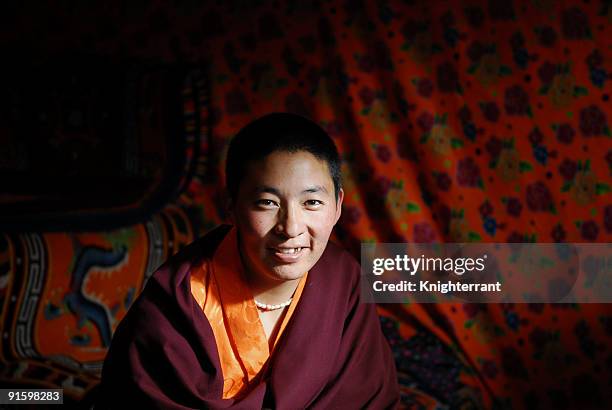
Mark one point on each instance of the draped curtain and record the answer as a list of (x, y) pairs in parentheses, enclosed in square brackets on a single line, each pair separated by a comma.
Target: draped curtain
[(457, 121)]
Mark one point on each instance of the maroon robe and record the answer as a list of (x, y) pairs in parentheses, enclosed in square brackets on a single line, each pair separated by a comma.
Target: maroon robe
[(332, 354)]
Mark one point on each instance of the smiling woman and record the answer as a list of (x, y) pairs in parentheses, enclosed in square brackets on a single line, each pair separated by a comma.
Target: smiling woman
[(284, 212), (266, 312)]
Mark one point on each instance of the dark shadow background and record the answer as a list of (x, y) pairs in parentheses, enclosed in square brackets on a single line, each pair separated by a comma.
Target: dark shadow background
[(457, 121)]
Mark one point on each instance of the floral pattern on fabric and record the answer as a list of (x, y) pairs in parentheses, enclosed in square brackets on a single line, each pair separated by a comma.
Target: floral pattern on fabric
[(476, 120)]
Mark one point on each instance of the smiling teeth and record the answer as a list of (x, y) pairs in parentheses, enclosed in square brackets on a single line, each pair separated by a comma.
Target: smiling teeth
[(291, 250)]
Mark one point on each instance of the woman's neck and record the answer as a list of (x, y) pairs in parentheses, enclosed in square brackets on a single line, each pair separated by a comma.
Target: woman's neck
[(271, 292)]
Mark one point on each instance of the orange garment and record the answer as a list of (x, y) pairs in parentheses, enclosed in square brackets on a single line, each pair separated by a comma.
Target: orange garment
[(220, 289)]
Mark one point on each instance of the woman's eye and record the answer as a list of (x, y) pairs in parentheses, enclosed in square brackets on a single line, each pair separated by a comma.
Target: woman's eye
[(265, 203), (313, 203)]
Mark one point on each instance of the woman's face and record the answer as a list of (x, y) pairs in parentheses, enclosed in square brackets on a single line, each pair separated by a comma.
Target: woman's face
[(284, 212)]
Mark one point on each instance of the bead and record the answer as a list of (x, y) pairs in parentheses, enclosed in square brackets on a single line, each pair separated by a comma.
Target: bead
[(264, 306)]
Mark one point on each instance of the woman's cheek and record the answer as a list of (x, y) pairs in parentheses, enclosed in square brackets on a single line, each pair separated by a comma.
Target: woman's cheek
[(260, 222), (321, 230)]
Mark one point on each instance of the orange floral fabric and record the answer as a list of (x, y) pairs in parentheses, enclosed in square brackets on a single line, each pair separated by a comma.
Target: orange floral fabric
[(459, 121), (220, 288), (471, 120)]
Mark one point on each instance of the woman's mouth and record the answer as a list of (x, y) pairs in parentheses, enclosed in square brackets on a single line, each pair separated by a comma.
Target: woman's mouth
[(288, 250), (288, 255)]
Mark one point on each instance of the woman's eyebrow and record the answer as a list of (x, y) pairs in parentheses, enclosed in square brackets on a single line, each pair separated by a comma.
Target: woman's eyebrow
[(271, 190), (266, 189), (314, 188)]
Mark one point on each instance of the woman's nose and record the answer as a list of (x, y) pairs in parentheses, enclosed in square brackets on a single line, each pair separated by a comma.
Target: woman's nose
[(290, 222)]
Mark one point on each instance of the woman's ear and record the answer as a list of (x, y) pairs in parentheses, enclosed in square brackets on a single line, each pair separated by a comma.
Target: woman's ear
[(339, 205)]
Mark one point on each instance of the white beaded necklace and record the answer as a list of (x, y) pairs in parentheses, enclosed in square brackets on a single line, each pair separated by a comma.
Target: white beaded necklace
[(266, 307)]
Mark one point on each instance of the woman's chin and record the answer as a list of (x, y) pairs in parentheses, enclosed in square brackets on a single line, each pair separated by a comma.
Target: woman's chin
[(284, 272)]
